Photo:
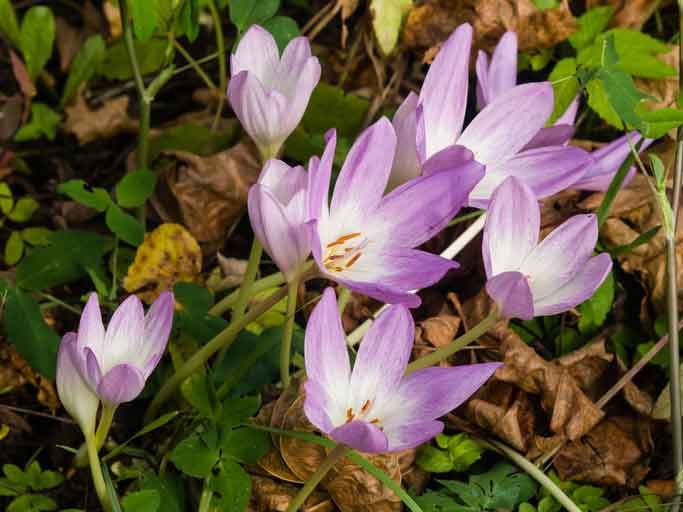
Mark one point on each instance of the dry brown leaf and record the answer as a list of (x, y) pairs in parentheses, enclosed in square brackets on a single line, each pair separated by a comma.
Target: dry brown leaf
[(28, 89), (587, 364), (168, 255), (269, 495), (68, 40), (429, 24), (628, 13), (11, 113), (113, 17), (101, 123), (210, 193), (15, 372), (610, 454)]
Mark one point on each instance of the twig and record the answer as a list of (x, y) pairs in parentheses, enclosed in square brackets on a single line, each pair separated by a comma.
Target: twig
[(21, 410)]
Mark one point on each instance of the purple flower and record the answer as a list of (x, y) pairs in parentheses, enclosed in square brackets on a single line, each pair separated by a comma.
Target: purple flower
[(527, 278), (366, 241), (278, 213), (115, 364), (498, 137), (607, 161), (269, 93), (74, 393), (376, 408)]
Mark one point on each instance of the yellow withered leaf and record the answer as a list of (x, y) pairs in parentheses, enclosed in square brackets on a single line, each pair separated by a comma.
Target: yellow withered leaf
[(168, 255)]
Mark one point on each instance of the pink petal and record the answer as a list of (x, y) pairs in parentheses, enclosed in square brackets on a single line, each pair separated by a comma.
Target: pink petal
[(362, 436), (511, 293), (158, 324), (282, 180), (319, 176), (406, 165), (125, 335), (503, 69), (257, 53), (404, 437), (90, 327), (123, 383)]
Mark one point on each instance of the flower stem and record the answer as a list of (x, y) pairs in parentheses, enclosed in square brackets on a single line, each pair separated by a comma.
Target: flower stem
[(197, 68), (108, 411), (446, 351), (205, 500), (222, 71), (343, 299), (229, 301), (337, 453), (286, 348), (96, 471)]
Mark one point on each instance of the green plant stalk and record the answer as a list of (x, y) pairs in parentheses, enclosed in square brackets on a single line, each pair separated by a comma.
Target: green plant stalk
[(533, 471), (229, 301), (205, 500), (343, 299), (96, 471), (337, 453), (222, 69), (454, 346), (103, 428), (192, 62), (286, 347)]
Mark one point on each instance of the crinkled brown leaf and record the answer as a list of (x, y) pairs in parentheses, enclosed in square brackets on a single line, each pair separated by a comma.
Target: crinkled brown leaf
[(168, 255), (628, 13), (587, 364), (100, 123), (429, 24), (15, 372), (268, 495), (610, 454), (210, 193), (68, 40)]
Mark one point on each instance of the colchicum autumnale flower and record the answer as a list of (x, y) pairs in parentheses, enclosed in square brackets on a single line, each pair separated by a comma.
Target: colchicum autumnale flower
[(366, 241), (278, 214), (498, 137), (269, 93), (376, 408), (114, 363), (527, 278)]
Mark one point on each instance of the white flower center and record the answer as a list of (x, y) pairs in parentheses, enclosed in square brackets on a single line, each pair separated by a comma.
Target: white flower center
[(363, 414), (344, 252)]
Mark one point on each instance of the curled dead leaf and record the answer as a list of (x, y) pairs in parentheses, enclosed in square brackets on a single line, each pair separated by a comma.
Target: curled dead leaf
[(168, 255), (210, 193), (101, 123), (269, 495), (15, 372)]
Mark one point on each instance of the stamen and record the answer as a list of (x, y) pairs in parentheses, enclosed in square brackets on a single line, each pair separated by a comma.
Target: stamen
[(343, 239), (349, 415), (366, 406), (354, 259), (375, 421)]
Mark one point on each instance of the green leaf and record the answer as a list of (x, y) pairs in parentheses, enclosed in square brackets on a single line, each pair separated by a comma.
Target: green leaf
[(188, 19), (135, 188), (170, 488), (14, 473), (232, 486), (656, 123), (598, 101), (565, 86), (595, 310), (23, 209), (116, 66), (622, 94), (43, 122), (330, 107), (32, 503), (14, 248), (37, 35), (246, 445), (124, 225), (591, 23), (193, 138), (142, 501), (237, 410), (244, 13), (145, 19), (197, 391), (434, 460), (150, 427), (6, 198), (546, 4), (641, 239), (192, 318), (387, 18), (78, 190), (193, 457), (283, 29), (8, 23), (27, 331), (36, 236), (84, 65)]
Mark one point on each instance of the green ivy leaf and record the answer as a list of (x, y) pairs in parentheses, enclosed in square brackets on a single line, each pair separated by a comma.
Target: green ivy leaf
[(43, 122), (37, 35), (23, 209), (14, 248), (244, 13), (84, 65), (387, 18), (193, 457), (135, 188), (145, 19), (283, 29), (78, 190), (232, 486), (124, 225), (8, 23), (591, 24), (142, 501)]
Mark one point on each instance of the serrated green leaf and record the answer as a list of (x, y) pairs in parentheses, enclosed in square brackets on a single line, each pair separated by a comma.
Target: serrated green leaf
[(598, 101), (434, 460), (43, 122), (387, 18), (193, 457), (244, 13), (37, 35), (144, 13), (8, 23), (283, 29), (135, 188), (23, 209), (232, 486), (245, 445), (142, 501), (656, 123), (591, 23), (124, 225), (89, 57), (96, 198), (565, 86), (14, 248)]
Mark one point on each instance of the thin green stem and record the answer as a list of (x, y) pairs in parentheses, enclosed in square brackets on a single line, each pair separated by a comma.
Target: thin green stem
[(103, 428), (230, 300), (96, 471), (60, 302), (186, 55), (205, 500), (446, 351), (114, 270), (534, 472), (337, 453), (286, 347), (222, 68), (466, 216), (343, 299)]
